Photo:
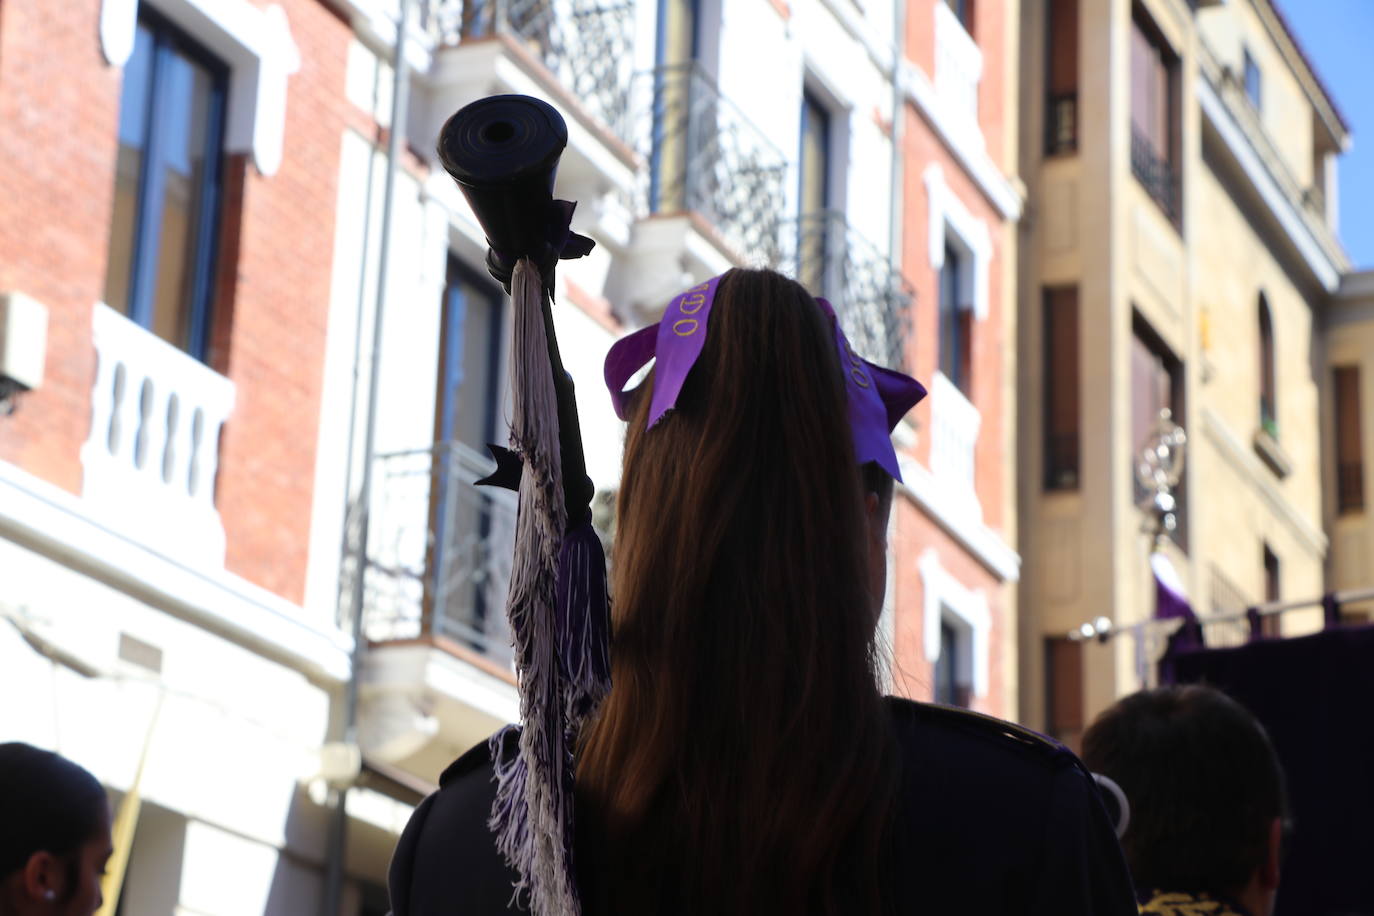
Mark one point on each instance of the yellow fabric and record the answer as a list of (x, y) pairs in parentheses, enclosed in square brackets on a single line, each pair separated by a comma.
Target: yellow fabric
[(1176, 904)]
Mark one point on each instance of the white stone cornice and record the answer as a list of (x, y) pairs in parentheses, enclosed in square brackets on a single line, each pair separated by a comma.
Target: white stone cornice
[(1325, 270), (950, 513), (43, 517), (917, 88)]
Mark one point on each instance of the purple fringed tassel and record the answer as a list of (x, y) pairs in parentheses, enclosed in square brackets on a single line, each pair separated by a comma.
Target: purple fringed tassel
[(584, 625), (532, 813)]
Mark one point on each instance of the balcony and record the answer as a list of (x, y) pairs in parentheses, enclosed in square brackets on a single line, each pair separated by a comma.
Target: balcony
[(715, 185), (1156, 174), (585, 45), (438, 676), (149, 465), (440, 550), (576, 54), (953, 443), (872, 300), (1061, 124)]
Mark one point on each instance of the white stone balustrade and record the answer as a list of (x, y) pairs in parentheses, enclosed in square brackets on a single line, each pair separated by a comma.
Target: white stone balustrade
[(150, 462), (953, 443), (958, 69)]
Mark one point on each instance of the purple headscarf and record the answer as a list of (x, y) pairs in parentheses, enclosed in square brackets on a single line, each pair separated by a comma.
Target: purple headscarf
[(878, 397)]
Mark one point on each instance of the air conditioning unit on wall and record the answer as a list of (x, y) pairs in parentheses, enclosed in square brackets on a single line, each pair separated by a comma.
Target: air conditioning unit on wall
[(23, 346)]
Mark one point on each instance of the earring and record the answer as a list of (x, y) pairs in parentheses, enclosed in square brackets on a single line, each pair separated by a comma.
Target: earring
[(50, 894)]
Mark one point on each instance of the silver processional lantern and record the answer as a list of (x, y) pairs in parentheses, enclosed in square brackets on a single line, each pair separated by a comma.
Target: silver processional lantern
[(1158, 469)]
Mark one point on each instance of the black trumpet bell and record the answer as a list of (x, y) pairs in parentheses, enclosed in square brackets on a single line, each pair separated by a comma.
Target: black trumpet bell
[(503, 151)]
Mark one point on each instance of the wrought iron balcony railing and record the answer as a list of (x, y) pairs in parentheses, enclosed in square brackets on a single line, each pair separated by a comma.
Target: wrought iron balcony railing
[(1156, 173), (872, 300), (1061, 123), (586, 44), (439, 557), (705, 157)]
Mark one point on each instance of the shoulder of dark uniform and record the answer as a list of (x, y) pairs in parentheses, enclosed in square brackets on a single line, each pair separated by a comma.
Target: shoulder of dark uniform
[(931, 721), (477, 759)]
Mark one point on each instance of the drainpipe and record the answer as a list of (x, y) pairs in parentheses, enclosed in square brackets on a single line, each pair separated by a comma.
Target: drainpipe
[(338, 836), (898, 208)]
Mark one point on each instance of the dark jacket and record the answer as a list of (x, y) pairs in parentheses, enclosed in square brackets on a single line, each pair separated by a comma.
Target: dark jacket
[(994, 820)]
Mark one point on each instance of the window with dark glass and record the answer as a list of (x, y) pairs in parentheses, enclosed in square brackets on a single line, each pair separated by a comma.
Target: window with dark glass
[(1253, 86), (167, 186), (1156, 384), (1269, 623), (1060, 337), (1064, 689), (956, 322), (469, 400), (814, 193), (1061, 83), (1154, 114), (952, 676), (963, 11), (1349, 442), (1268, 409)]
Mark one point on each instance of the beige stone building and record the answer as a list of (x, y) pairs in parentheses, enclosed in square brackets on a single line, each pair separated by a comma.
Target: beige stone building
[(1348, 439), (1179, 251)]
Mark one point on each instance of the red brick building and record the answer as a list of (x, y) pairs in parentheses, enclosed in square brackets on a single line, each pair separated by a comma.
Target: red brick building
[(954, 622)]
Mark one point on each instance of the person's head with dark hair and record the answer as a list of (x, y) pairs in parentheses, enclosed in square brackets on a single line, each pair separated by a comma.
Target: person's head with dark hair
[(54, 834), (1205, 789), (744, 731)]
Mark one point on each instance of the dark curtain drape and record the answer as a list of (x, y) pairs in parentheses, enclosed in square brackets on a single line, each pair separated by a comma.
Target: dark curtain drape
[(1315, 696)]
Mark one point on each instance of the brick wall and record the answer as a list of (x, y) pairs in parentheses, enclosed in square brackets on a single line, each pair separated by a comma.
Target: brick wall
[(59, 101), (916, 532), (913, 676), (59, 104), (922, 147), (993, 35), (274, 291)]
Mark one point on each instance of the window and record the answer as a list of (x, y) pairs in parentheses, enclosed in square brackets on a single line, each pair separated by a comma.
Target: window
[(1156, 384), (1269, 623), (472, 526), (1061, 388), (1252, 80), (963, 11), (953, 674), (682, 100), (814, 193), (1061, 81), (470, 348), (1268, 411), (1064, 689), (1154, 114), (167, 186), (956, 628), (956, 322), (1349, 442)]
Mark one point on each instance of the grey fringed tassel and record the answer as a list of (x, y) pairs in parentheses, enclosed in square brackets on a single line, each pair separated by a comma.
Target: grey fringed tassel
[(532, 813)]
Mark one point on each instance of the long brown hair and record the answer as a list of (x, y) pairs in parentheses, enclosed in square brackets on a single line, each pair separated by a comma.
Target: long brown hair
[(743, 761)]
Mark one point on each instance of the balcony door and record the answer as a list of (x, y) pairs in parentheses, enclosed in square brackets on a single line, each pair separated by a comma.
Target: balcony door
[(813, 197), (470, 551), (677, 122)]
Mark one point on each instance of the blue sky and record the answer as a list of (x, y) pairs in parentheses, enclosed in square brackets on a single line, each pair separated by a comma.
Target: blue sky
[(1337, 36)]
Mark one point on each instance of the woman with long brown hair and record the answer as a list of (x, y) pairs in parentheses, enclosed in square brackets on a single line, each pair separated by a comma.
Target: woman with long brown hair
[(744, 760)]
